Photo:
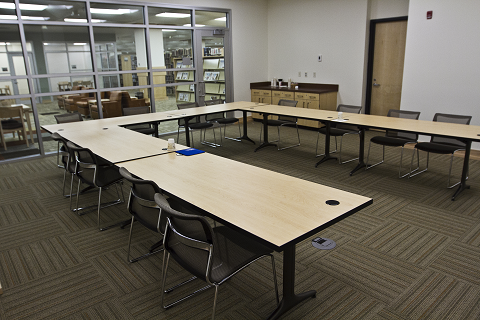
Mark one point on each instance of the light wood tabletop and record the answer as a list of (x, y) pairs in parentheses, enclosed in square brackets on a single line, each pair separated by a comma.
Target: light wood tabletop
[(275, 207), (118, 144)]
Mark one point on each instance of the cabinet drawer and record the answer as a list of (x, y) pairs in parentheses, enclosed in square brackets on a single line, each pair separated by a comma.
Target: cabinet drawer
[(288, 95), (256, 92), (307, 96)]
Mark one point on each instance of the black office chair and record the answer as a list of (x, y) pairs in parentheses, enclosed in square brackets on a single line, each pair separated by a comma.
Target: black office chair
[(142, 207), (65, 118), (442, 145), (221, 118), (340, 130), (145, 128), (67, 160), (213, 255), (283, 121), (393, 138), (196, 123), (90, 170)]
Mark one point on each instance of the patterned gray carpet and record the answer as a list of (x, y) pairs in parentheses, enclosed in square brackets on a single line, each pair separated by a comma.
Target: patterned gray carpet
[(413, 254)]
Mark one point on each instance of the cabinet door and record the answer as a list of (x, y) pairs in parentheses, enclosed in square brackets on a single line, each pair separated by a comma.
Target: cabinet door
[(328, 101), (276, 96)]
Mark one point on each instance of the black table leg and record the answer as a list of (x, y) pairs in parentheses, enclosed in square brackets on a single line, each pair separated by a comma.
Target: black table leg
[(155, 125), (327, 155), (187, 132), (245, 135), (290, 299), (361, 152), (466, 159), (265, 134)]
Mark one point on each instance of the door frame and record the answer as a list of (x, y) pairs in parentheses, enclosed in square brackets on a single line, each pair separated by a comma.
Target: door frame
[(227, 56), (371, 51)]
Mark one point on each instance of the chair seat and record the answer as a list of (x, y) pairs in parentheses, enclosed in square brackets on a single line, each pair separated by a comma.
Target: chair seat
[(145, 130), (441, 148), (277, 123), (334, 132), (226, 120), (200, 125), (11, 124), (391, 141), (105, 177)]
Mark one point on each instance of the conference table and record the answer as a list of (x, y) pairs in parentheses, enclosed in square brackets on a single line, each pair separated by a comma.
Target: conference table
[(275, 209), (465, 133)]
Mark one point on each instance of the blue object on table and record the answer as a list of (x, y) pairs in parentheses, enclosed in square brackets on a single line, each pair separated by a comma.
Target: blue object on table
[(189, 151)]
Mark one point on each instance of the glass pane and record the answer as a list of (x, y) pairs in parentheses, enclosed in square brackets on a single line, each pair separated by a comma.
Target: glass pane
[(213, 68), (7, 10), (16, 145), (210, 19), (59, 84), (117, 44), (124, 80), (12, 62), (114, 13), (55, 57), (51, 10), (168, 16)]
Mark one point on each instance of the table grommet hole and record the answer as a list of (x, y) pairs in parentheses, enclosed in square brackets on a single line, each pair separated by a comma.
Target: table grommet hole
[(332, 202)]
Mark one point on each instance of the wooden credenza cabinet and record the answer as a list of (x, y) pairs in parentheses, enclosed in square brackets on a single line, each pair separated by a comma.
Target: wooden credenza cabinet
[(309, 95)]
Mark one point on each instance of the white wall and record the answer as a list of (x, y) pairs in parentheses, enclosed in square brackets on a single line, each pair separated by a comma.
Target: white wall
[(298, 31), (380, 9), (442, 59)]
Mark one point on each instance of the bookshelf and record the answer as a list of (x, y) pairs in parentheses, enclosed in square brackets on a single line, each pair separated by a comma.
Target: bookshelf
[(214, 73), (184, 93)]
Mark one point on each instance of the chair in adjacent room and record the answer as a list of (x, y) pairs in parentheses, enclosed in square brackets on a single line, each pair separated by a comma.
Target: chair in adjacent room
[(222, 119), (213, 255), (196, 123), (111, 108), (94, 172), (340, 130), (394, 138), (145, 128), (10, 124), (442, 145), (286, 121)]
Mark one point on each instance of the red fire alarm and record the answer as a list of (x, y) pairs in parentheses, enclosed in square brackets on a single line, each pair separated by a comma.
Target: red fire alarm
[(429, 14)]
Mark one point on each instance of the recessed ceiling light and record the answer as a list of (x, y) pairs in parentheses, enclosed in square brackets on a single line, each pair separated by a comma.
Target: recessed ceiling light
[(173, 15), (111, 11), (35, 18), (221, 19), (23, 6)]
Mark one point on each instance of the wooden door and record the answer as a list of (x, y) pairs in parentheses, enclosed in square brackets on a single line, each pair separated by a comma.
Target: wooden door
[(387, 75)]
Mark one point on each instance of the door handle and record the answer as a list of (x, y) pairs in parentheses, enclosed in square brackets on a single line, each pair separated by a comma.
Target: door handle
[(376, 84)]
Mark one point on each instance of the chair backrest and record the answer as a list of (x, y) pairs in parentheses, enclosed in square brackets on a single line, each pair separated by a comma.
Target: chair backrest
[(66, 156), (189, 239), (287, 103), (68, 117), (181, 122), (135, 110), (404, 114), (86, 163), (348, 109), (116, 95), (11, 112), (450, 118), (141, 202), (212, 102)]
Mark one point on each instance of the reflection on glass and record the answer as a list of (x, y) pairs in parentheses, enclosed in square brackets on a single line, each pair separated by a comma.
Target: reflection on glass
[(124, 80), (51, 10), (211, 19), (213, 68), (7, 10), (59, 84), (168, 16), (114, 13), (120, 49), (12, 62)]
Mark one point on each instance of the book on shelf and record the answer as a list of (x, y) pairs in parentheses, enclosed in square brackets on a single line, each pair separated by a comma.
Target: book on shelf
[(207, 76), (192, 87), (179, 64), (184, 75), (221, 64), (179, 75)]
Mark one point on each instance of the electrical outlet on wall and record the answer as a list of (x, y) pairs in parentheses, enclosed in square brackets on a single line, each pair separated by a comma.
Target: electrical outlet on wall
[(314, 74), (299, 74), (319, 58), (306, 75)]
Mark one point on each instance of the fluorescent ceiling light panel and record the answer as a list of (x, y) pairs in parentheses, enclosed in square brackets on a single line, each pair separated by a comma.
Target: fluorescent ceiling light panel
[(168, 30), (35, 18), (23, 6), (82, 20), (111, 11), (79, 43), (173, 15), (221, 19), (196, 25), (8, 17)]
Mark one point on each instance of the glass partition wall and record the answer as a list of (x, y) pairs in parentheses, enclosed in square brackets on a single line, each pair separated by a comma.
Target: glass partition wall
[(58, 57)]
